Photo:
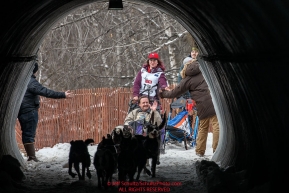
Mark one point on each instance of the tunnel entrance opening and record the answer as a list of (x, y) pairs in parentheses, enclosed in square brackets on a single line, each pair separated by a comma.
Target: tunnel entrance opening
[(234, 41), (50, 61)]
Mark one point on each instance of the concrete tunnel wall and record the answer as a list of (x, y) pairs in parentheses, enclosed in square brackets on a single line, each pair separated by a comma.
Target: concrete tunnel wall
[(243, 49)]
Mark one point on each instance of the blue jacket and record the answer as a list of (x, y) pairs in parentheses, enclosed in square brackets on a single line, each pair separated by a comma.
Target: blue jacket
[(31, 100)]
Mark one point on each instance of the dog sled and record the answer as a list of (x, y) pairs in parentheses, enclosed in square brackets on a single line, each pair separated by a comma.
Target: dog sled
[(179, 128)]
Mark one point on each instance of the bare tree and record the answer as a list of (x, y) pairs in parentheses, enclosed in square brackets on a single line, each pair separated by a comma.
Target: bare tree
[(95, 47)]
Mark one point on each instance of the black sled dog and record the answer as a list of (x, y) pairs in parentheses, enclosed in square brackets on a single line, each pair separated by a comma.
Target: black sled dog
[(148, 147), (79, 154), (105, 161)]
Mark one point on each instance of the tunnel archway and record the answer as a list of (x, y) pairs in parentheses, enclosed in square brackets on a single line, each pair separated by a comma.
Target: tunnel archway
[(243, 47)]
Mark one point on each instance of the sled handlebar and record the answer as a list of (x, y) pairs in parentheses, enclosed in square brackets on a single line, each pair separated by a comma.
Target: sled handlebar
[(147, 90)]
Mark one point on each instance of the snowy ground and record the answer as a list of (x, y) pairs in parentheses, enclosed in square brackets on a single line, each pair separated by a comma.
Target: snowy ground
[(177, 171)]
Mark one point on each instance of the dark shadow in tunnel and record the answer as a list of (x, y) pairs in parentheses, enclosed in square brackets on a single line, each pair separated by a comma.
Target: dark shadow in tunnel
[(243, 47)]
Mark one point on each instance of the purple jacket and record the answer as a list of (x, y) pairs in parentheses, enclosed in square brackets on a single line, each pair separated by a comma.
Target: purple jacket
[(137, 82)]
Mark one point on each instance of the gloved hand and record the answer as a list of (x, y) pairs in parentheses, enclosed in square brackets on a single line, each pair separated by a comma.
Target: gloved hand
[(154, 106), (135, 99)]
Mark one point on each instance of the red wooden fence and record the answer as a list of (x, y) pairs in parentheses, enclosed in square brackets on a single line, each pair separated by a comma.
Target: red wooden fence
[(91, 113)]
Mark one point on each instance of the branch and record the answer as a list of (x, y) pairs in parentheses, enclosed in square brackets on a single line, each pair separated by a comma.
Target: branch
[(82, 18), (171, 42)]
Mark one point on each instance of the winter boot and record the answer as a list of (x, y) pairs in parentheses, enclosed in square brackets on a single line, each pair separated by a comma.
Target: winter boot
[(30, 150)]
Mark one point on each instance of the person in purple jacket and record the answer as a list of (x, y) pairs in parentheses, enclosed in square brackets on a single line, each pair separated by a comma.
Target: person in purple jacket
[(150, 79)]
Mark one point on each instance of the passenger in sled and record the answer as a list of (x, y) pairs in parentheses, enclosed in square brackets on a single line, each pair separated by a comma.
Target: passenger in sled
[(139, 117)]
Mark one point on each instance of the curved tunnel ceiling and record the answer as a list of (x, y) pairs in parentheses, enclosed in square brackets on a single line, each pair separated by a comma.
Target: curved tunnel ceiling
[(243, 47)]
